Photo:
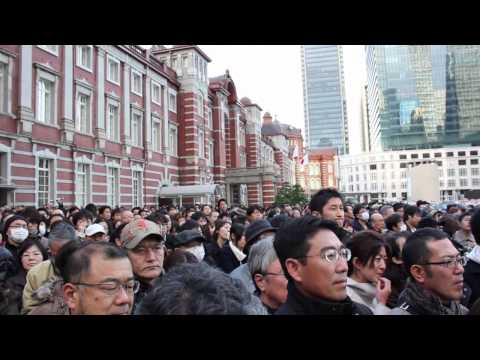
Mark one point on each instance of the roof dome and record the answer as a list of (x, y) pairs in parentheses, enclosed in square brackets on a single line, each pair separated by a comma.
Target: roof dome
[(246, 101)]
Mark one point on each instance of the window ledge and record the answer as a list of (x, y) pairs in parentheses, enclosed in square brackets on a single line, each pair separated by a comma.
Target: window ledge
[(113, 82), (85, 68), (46, 124), (8, 114)]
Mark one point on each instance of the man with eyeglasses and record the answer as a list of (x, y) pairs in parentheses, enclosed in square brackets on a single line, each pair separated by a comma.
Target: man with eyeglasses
[(314, 260), (435, 269), (145, 248), (98, 280)]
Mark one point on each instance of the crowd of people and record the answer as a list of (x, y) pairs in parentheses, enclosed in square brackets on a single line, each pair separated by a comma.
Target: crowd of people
[(326, 257)]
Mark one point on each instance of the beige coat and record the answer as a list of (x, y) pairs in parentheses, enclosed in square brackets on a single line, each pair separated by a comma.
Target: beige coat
[(37, 289)]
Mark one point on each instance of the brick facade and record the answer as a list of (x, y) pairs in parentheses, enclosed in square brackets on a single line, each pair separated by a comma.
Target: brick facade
[(100, 124)]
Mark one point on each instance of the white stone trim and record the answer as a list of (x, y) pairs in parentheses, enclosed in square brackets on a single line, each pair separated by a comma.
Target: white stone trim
[(174, 93), (134, 72), (79, 63), (49, 76), (83, 90), (108, 125), (9, 62), (155, 83), (46, 154), (113, 59), (136, 111), (46, 49)]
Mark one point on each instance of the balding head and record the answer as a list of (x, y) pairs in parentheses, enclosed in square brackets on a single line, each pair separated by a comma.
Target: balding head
[(127, 216), (378, 224)]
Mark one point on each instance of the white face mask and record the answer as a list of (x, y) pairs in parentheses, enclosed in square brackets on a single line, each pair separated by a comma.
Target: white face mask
[(42, 230), (18, 235), (365, 216), (403, 227), (198, 251)]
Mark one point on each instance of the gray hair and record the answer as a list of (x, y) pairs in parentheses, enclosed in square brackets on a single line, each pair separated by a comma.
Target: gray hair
[(261, 256), (62, 231), (383, 210)]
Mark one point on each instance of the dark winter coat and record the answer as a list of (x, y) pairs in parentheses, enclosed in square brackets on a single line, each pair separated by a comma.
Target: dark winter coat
[(227, 261), (298, 304), (472, 277)]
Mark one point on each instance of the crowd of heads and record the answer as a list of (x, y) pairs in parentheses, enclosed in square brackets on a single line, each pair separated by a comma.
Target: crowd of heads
[(325, 257)]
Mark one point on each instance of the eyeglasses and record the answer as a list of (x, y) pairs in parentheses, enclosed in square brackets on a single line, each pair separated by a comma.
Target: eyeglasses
[(111, 288), (451, 263), (273, 274), (332, 255)]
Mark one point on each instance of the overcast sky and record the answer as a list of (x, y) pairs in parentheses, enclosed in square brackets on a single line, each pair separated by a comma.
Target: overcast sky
[(271, 76)]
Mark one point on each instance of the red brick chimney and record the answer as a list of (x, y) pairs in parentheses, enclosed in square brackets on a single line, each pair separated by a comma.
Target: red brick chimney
[(267, 118)]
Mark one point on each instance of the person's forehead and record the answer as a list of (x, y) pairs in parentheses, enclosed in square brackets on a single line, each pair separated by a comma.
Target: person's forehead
[(149, 241), (103, 269), (324, 238), (442, 248), (334, 201), (18, 222)]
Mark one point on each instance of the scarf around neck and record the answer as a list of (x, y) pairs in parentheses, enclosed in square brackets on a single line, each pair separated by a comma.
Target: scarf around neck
[(420, 301)]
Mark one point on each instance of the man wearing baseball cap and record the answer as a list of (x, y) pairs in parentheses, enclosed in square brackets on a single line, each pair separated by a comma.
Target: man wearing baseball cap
[(145, 248), (96, 232)]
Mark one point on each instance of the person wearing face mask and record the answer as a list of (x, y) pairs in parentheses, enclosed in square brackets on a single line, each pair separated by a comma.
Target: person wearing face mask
[(362, 216), (15, 233), (366, 284), (190, 241)]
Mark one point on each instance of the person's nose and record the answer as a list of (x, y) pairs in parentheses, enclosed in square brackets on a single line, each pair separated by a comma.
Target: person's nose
[(149, 255), (341, 266), (123, 297)]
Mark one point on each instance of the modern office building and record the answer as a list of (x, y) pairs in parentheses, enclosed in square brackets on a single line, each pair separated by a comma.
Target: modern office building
[(423, 96), (326, 124)]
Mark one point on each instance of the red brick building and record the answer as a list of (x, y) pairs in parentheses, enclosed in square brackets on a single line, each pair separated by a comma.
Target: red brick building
[(118, 124)]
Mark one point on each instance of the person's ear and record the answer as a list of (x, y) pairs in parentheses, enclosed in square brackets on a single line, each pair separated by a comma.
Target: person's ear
[(294, 269), (357, 264), (260, 282), (418, 273), (70, 296)]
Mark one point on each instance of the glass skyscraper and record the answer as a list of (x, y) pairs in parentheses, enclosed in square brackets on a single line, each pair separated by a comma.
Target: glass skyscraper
[(423, 96), (324, 97)]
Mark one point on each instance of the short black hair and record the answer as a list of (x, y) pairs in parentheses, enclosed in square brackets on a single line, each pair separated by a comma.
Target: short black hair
[(251, 209), (237, 230), (188, 225), (102, 209), (82, 214), (74, 259), (466, 213), (475, 225), (178, 256), (391, 240), (357, 208), (199, 289), (427, 222), (291, 240), (198, 215), (279, 220), (410, 210), (449, 206), (92, 208), (365, 245), (219, 201), (392, 221), (398, 206), (415, 251), (27, 244), (319, 200)]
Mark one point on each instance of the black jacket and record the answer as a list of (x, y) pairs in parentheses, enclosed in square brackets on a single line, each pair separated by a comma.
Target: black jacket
[(212, 253), (398, 277), (298, 304), (357, 226), (472, 277), (227, 261)]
